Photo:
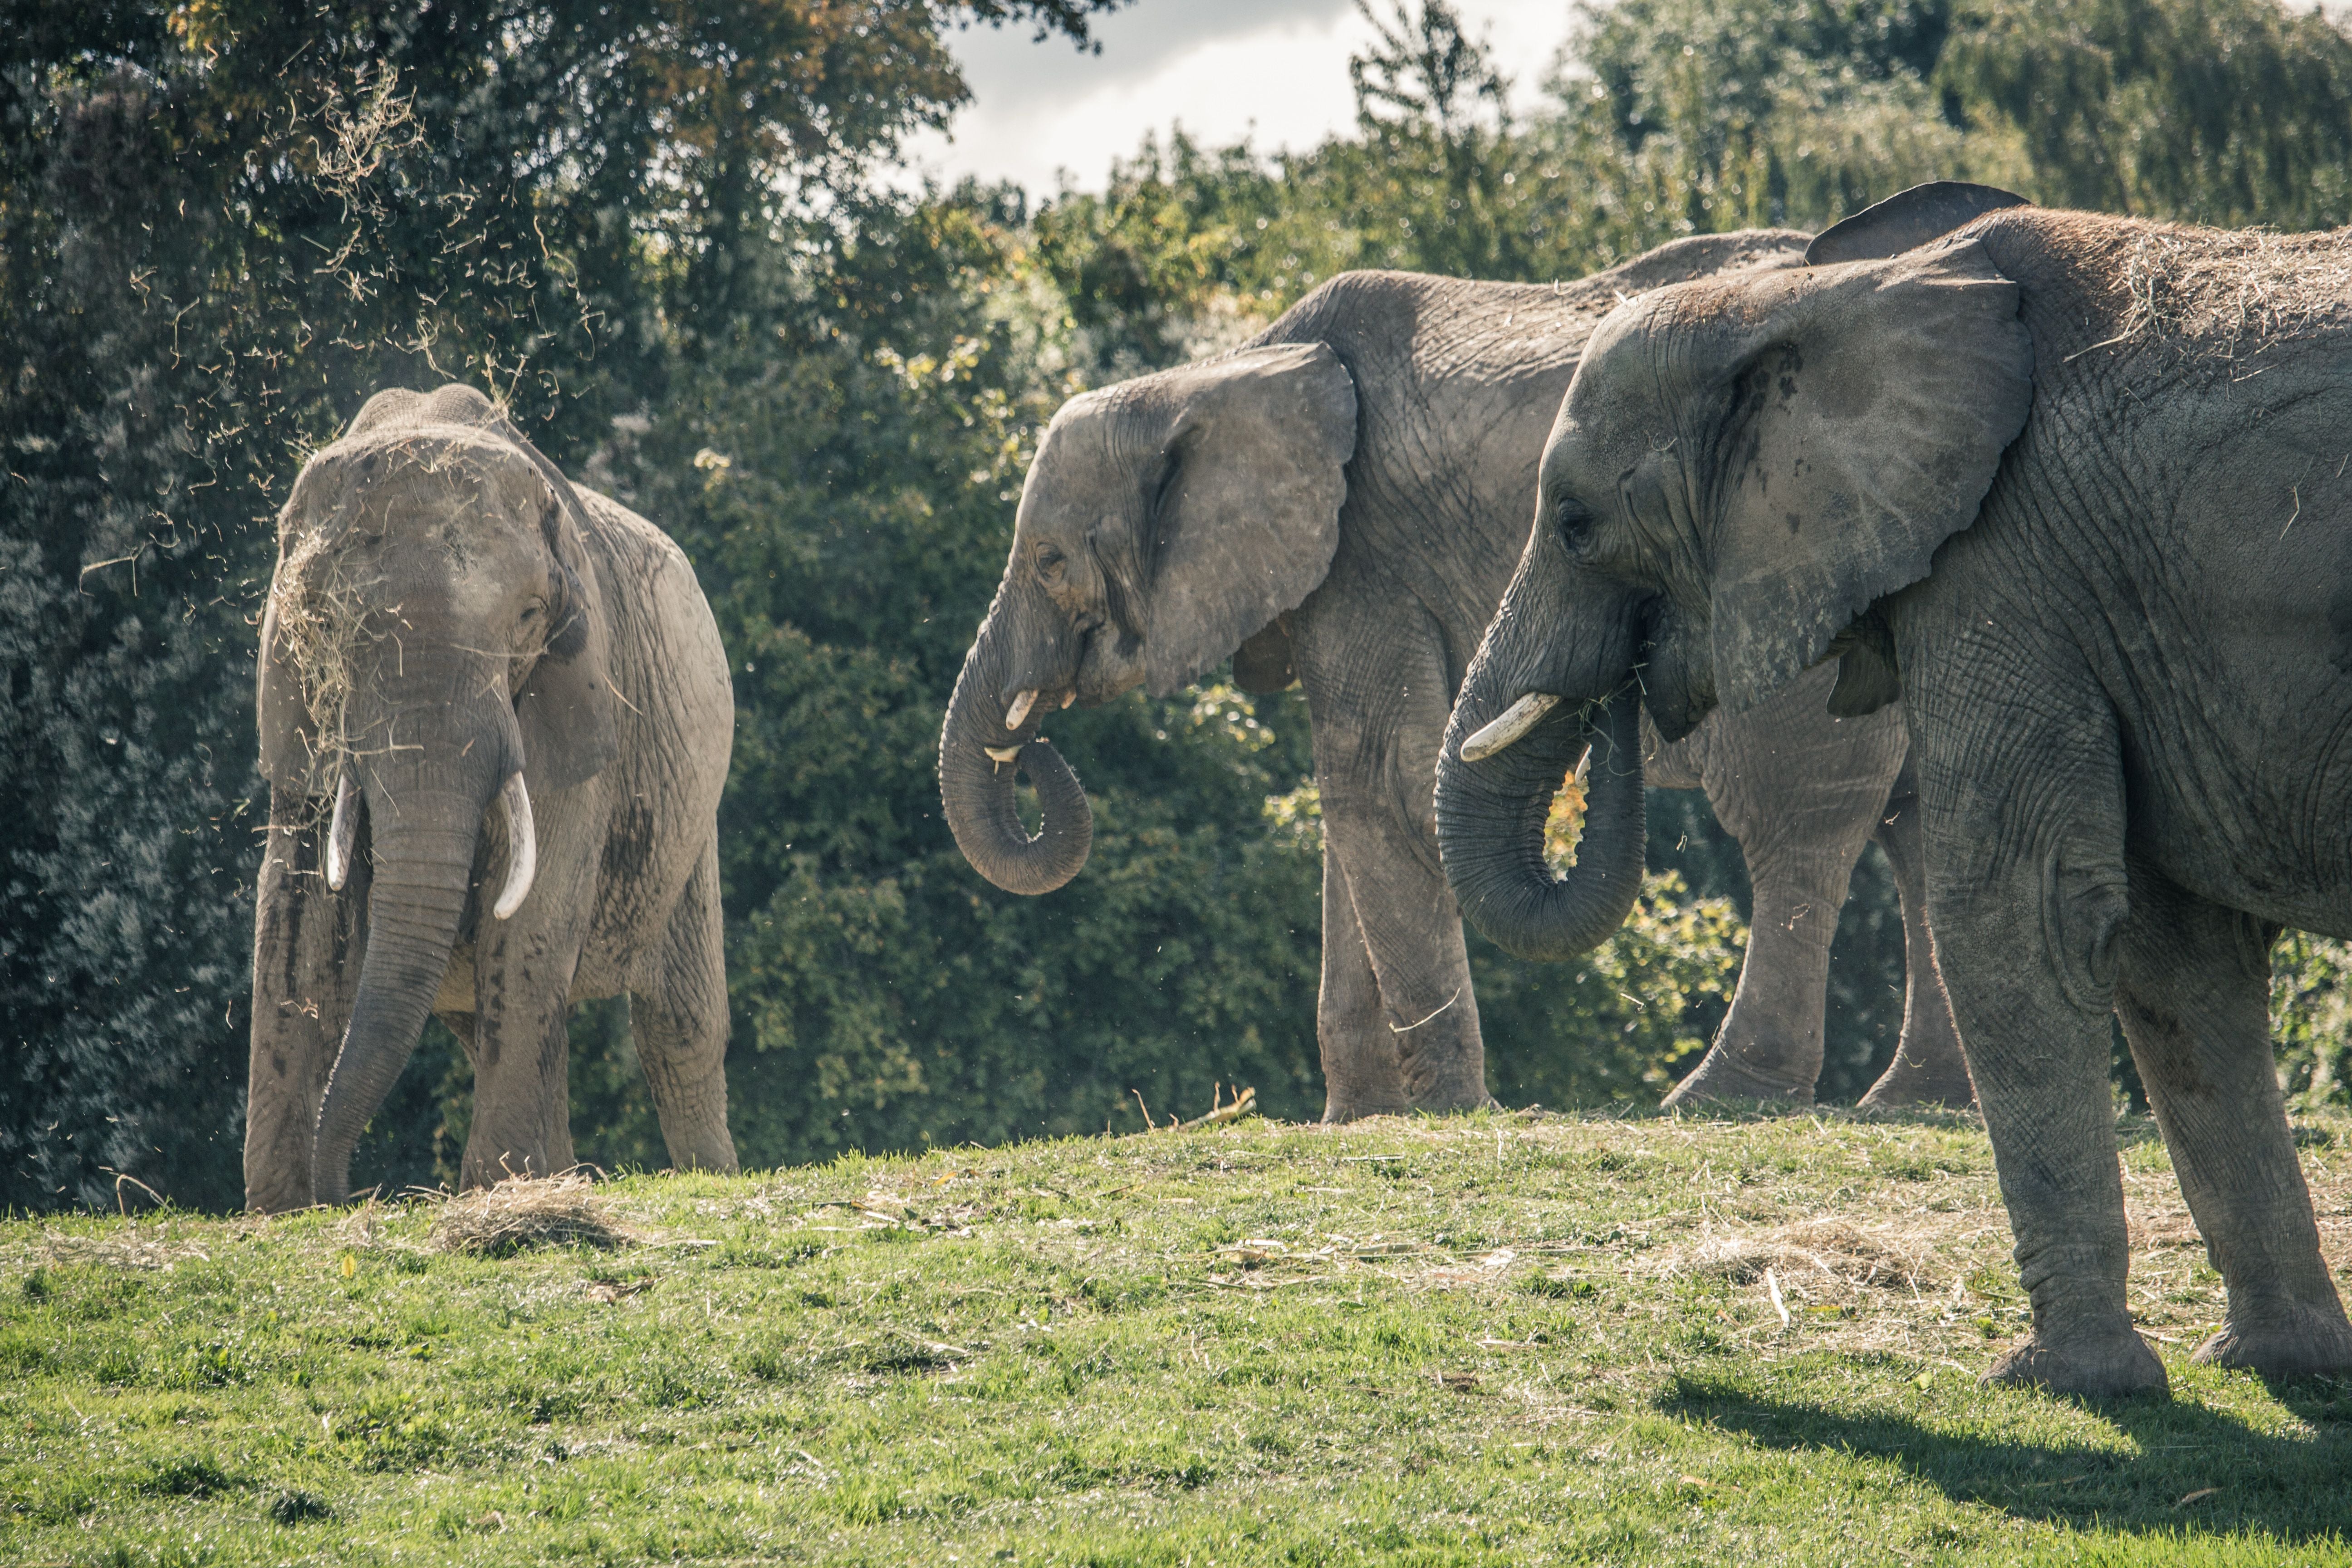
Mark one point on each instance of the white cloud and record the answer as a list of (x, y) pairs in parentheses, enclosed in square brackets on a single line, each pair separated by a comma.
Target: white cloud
[(1272, 71)]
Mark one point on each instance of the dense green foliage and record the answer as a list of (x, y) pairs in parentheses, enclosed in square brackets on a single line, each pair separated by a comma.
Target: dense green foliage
[(656, 231), (1491, 1339)]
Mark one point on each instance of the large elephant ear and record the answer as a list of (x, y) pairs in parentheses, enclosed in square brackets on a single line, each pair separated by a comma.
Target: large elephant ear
[(1905, 219), (288, 746), (565, 708), (1875, 400), (1247, 515)]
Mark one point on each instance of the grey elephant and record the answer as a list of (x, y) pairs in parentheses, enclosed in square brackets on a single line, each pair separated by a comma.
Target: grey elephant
[(495, 717), (1341, 500), (2074, 486)]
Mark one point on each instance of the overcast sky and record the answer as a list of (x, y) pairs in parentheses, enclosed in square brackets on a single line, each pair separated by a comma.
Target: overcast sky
[(1273, 71)]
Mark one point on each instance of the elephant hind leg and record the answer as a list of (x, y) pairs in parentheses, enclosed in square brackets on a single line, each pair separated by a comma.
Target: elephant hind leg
[(2193, 992), (1928, 1068), (680, 1018)]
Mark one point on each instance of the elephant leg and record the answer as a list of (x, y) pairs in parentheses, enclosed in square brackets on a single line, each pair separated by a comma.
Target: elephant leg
[(307, 948), (1801, 792), (522, 1051), (679, 1020), (1361, 1074), (1377, 688), (2193, 991), (2026, 894), (1928, 1068)]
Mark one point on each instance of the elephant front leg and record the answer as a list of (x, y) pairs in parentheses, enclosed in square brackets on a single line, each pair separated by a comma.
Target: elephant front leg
[(2193, 992), (1928, 1068), (1360, 1072), (679, 1020), (2027, 895), (522, 1053), (307, 942)]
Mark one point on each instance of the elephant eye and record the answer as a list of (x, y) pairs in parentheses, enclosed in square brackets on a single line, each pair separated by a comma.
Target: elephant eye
[(1049, 559), (1575, 521)]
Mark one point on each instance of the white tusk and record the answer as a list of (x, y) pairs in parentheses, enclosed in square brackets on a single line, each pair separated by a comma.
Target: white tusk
[(1020, 709), (1011, 753), (340, 834), (1504, 733), (523, 848), (1069, 697), (1584, 764)]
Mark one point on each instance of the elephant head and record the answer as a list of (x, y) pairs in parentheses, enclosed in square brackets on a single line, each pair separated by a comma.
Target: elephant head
[(435, 637), (1741, 468), (1165, 521)]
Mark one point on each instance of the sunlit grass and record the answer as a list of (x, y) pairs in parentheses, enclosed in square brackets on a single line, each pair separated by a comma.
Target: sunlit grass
[(1479, 1340)]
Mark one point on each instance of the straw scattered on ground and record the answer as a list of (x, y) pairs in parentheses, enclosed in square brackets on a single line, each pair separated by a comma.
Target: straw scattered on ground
[(526, 1212)]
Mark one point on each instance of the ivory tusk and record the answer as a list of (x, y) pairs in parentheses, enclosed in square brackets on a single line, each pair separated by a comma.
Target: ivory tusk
[(1011, 753), (1069, 697), (523, 848), (1504, 733), (1584, 764), (1020, 709), (340, 834)]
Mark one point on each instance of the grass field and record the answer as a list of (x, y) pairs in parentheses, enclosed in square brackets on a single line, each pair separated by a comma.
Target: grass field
[(1481, 1339)]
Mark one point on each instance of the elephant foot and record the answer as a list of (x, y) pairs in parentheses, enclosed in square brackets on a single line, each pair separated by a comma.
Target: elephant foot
[(2114, 1365), (1916, 1080), (1722, 1076), (2283, 1343), (1336, 1110)]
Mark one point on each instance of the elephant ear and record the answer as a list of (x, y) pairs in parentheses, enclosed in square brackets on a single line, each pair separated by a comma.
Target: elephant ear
[(1905, 219), (566, 706), (1247, 515), (288, 744), (1873, 401)]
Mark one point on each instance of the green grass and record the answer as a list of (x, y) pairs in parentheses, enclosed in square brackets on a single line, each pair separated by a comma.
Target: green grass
[(1473, 1341)]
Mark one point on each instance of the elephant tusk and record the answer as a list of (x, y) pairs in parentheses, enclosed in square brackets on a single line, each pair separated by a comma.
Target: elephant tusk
[(1020, 709), (1069, 697), (523, 848), (1000, 755), (1584, 765), (1505, 732), (340, 834)]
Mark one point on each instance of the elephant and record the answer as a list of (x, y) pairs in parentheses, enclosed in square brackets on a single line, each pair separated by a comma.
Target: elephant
[(1340, 502), (2073, 487), (453, 627)]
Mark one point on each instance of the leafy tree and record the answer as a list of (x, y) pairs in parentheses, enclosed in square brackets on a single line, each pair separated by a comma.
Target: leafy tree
[(221, 227)]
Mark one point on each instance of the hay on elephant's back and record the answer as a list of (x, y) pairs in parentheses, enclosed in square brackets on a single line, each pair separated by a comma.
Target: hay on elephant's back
[(524, 1212), (2240, 290)]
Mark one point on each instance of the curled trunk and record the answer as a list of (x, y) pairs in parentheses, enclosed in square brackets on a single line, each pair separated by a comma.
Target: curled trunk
[(980, 756), (1490, 825)]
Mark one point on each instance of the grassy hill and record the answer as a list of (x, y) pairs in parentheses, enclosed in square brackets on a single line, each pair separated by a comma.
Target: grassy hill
[(1490, 1338)]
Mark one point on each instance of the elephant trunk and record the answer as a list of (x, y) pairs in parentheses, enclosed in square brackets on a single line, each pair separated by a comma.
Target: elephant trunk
[(1490, 830), (990, 736), (424, 826), (1553, 679)]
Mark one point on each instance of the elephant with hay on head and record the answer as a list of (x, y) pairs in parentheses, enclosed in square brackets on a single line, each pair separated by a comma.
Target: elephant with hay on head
[(495, 717), (1340, 502)]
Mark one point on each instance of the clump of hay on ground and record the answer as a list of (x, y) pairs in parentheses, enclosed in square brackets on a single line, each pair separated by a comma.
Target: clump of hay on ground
[(525, 1211), (1829, 1250)]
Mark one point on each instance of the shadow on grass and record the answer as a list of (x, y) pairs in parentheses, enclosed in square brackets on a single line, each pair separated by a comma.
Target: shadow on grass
[(2196, 1470)]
